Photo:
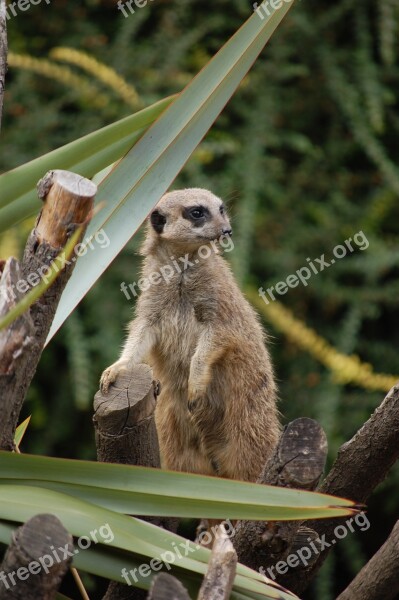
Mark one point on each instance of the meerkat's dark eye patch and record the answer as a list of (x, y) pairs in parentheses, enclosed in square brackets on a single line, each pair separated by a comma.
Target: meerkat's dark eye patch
[(222, 209), (157, 220), (197, 214)]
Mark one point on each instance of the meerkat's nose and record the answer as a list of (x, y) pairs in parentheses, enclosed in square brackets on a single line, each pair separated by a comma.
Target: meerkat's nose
[(227, 232)]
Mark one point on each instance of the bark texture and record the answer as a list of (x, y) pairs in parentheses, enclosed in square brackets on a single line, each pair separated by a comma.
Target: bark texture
[(68, 201), (167, 587), (219, 578), (126, 434), (380, 577), (31, 571), (298, 462), (362, 463)]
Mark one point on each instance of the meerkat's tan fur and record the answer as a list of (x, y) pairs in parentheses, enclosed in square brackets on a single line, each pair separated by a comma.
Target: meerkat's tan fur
[(216, 413)]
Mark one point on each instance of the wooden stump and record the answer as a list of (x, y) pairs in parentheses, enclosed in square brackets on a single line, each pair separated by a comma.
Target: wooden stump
[(297, 462), (31, 570), (167, 587), (124, 420), (126, 434), (68, 201)]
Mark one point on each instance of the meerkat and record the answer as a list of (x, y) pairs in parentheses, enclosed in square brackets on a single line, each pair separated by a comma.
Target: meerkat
[(216, 413)]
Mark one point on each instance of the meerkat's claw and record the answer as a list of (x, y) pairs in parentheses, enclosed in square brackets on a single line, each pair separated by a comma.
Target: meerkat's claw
[(105, 381), (109, 376)]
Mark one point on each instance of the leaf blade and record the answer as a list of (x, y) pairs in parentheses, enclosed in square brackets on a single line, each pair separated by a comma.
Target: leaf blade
[(142, 539), (169, 493), (163, 150), (77, 154)]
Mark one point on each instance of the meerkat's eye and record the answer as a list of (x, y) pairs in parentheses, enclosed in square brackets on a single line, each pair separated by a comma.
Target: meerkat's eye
[(197, 213), (221, 209)]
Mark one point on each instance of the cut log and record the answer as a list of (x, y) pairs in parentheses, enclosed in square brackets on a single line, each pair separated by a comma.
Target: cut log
[(298, 462), (68, 201), (36, 560), (124, 420), (362, 463), (126, 434), (167, 587)]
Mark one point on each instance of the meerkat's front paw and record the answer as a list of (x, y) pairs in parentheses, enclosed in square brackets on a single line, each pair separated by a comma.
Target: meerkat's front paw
[(109, 375)]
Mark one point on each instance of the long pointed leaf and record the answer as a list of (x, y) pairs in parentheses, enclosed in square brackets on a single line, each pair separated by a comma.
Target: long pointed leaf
[(20, 432), (87, 155), (144, 491), (142, 539), (139, 180), (29, 204)]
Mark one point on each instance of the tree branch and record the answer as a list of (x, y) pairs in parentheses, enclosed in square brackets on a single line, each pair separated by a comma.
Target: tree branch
[(68, 201), (364, 461), (380, 577), (19, 334), (219, 578), (361, 464)]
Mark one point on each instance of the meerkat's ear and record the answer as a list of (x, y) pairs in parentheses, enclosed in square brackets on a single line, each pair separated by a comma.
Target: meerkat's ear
[(158, 220)]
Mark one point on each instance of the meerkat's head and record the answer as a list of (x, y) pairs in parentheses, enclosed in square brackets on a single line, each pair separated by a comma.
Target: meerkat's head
[(189, 219)]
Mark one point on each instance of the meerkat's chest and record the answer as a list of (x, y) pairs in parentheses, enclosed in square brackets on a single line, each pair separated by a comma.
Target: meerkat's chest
[(178, 327)]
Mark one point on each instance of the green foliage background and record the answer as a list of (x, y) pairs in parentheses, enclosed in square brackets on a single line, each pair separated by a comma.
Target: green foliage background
[(305, 155)]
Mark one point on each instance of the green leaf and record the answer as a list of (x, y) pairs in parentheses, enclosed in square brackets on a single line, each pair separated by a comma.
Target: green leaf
[(138, 181), (145, 491), (142, 540), (85, 156), (20, 432)]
